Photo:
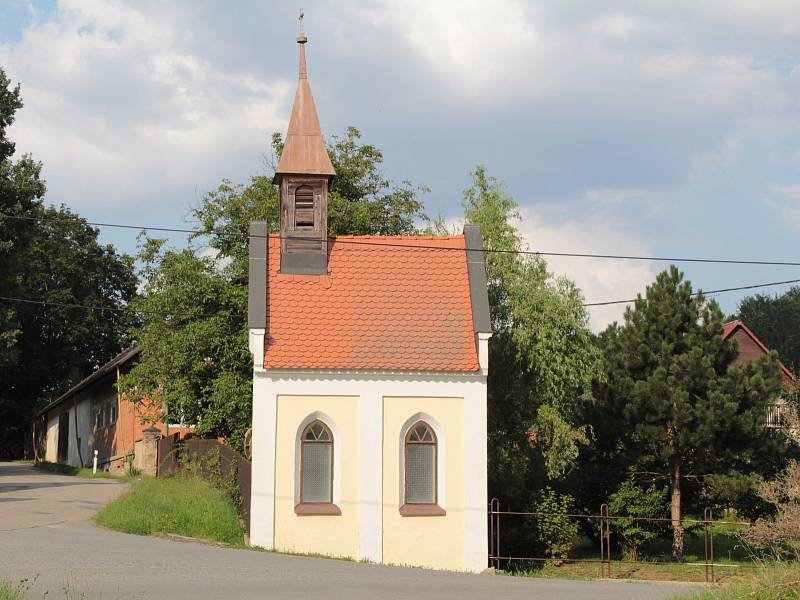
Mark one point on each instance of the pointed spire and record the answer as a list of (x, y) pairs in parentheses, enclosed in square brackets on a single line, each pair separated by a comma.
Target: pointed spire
[(304, 150)]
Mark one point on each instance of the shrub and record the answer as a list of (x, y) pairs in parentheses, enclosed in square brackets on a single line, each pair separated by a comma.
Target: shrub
[(781, 534), (630, 500), (555, 531)]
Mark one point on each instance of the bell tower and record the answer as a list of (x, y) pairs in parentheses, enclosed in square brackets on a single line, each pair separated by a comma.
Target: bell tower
[(304, 175)]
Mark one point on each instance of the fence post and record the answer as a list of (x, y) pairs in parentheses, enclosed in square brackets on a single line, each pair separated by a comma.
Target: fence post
[(709, 544), (605, 542), (494, 533)]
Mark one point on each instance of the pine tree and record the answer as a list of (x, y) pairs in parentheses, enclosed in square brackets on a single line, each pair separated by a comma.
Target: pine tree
[(686, 412)]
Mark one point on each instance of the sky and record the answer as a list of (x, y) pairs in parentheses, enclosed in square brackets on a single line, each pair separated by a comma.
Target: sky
[(620, 127)]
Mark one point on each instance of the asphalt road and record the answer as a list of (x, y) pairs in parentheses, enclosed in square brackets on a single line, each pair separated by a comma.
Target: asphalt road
[(44, 534)]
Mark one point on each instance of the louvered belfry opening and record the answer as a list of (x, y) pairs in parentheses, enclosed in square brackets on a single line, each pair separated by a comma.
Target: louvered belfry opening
[(304, 206)]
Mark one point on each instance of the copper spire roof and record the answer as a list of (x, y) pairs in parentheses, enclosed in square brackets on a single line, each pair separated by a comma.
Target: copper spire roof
[(304, 150)]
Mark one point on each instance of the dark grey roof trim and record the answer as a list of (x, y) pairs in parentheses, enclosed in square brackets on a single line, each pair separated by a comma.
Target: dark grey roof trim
[(476, 269), (120, 359), (257, 282)]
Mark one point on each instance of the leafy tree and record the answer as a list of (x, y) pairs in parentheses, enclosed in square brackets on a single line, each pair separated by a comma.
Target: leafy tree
[(51, 255), (776, 321), (193, 305), (686, 412), (542, 355)]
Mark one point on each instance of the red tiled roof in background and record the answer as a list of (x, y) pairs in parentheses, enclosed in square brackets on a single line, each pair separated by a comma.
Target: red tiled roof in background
[(398, 307), (728, 329)]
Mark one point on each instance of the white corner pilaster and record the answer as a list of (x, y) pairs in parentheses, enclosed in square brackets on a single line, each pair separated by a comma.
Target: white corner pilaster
[(483, 352), (370, 542), (255, 342), (262, 494), (475, 482)]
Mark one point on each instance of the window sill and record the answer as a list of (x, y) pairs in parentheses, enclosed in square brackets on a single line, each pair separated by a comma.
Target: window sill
[(422, 510), (316, 508)]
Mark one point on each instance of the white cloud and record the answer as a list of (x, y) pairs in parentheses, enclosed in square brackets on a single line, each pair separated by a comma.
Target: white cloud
[(600, 279), (118, 105)]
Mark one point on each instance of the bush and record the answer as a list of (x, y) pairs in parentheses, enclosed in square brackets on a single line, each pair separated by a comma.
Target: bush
[(781, 534), (630, 500), (555, 531)]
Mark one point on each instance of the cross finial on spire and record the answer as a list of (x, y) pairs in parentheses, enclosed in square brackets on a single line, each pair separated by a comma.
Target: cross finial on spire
[(301, 39)]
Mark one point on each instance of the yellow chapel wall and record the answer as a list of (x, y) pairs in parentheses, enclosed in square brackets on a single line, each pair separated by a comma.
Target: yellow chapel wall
[(330, 535), (432, 542)]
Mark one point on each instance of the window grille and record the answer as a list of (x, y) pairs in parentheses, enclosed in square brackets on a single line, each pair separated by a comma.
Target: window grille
[(316, 464), (420, 463)]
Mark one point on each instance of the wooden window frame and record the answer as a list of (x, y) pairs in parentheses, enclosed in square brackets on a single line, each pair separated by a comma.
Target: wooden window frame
[(421, 509), (316, 508), (113, 413)]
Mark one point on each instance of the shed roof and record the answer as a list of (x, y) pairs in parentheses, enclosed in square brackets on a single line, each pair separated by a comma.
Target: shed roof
[(119, 360)]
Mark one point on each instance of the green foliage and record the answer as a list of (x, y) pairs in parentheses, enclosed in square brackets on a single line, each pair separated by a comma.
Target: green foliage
[(776, 321), (542, 354), (195, 362), (632, 500), (556, 533), (14, 591), (778, 581), (682, 410), (46, 349), (183, 505)]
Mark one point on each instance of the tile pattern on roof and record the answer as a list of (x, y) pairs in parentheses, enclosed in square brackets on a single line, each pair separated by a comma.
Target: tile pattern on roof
[(397, 307)]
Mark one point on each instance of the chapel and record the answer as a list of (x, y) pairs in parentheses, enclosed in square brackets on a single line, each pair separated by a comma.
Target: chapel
[(370, 361)]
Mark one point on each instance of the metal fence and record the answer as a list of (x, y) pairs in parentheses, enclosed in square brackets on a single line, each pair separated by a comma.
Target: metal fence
[(602, 523), (174, 453)]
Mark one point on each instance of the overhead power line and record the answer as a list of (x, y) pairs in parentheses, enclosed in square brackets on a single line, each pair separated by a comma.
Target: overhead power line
[(196, 315), (117, 309), (671, 259), (708, 293)]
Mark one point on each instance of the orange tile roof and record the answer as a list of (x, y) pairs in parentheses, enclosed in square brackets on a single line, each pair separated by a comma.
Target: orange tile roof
[(398, 307)]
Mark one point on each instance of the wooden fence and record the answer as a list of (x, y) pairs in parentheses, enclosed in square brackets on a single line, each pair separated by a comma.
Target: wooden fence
[(174, 453)]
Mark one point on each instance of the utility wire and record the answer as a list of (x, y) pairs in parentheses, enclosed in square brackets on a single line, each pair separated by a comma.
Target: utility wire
[(783, 263), (105, 308), (708, 293), (173, 314)]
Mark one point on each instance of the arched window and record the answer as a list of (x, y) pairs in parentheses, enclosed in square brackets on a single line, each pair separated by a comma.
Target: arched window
[(420, 464), (304, 206), (316, 464)]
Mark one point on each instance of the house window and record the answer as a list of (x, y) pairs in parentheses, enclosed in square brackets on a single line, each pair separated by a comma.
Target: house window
[(316, 464), (304, 206), (112, 413), (420, 464), (98, 419)]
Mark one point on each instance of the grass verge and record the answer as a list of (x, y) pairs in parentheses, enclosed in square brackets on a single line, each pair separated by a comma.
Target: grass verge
[(179, 504), (77, 471), (774, 582)]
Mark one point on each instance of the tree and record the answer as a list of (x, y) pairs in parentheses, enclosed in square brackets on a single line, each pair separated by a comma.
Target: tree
[(686, 412), (193, 304), (776, 321), (542, 356), (49, 255)]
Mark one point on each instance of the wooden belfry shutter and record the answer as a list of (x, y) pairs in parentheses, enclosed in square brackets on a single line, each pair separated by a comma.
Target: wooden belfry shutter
[(304, 206)]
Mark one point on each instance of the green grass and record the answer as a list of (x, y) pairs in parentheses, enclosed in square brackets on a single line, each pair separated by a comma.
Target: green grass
[(13, 591), (77, 471), (770, 582), (180, 504)]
